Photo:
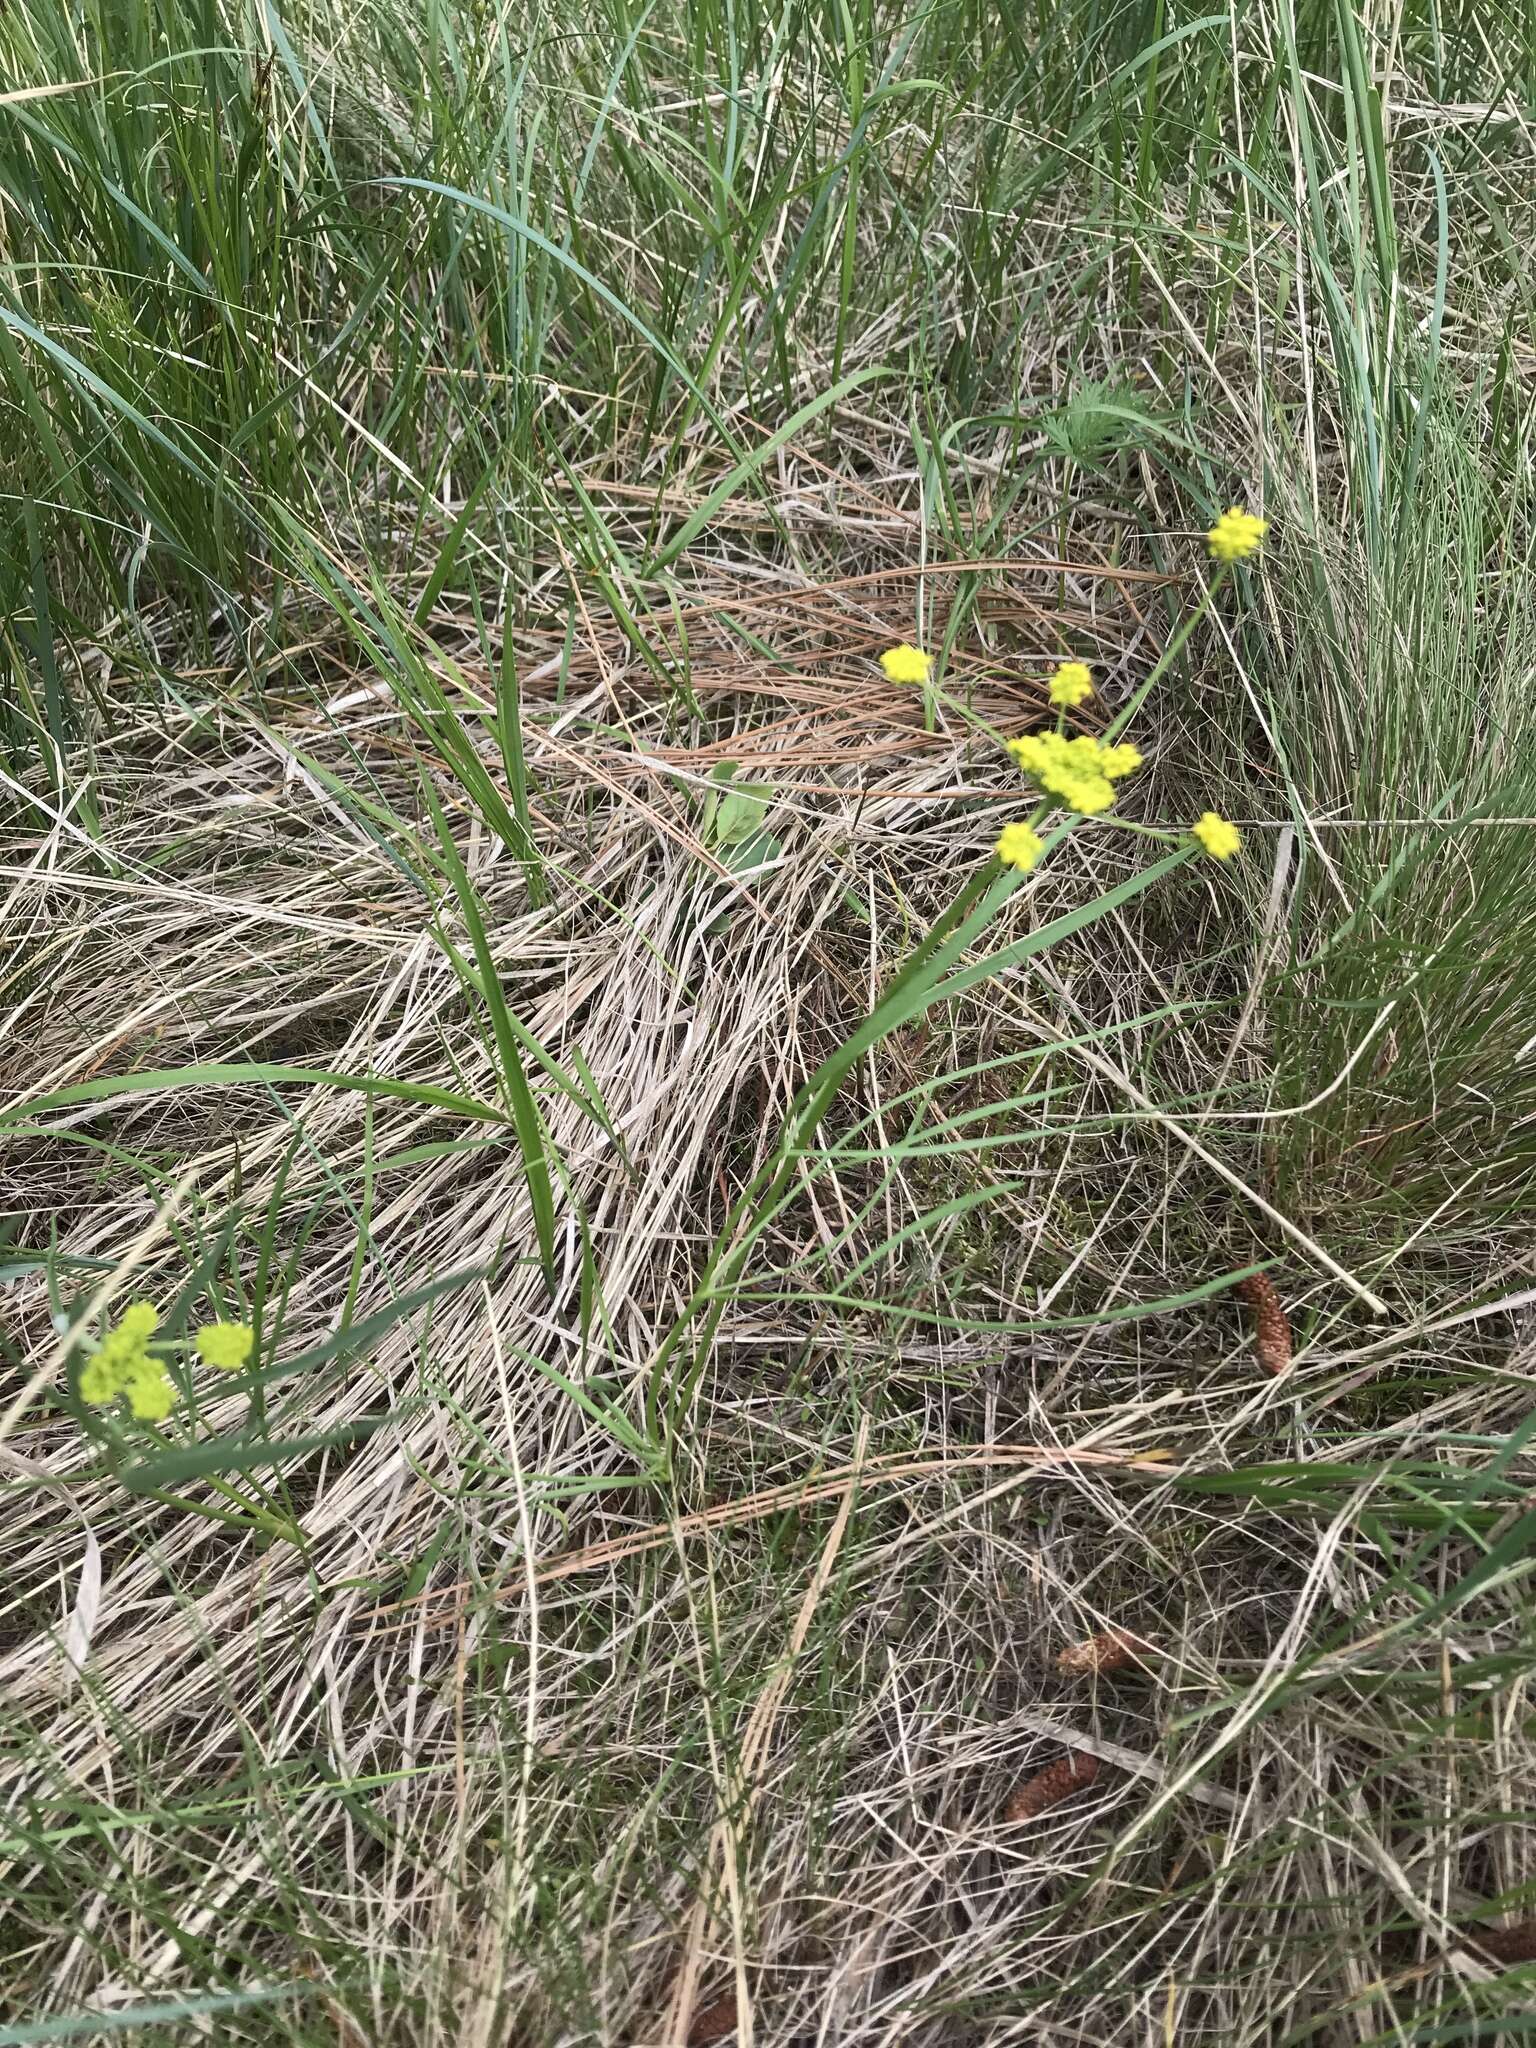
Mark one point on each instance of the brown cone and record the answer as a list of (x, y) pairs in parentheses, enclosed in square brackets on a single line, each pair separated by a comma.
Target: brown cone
[(1047, 1788), (1111, 1650), (713, 2022), (1271, 1326), (1515, 1943)]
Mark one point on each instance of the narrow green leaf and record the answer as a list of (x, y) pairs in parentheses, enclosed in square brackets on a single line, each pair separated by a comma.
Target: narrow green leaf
[(125, 2019), (533, 1142), (246, 1454)]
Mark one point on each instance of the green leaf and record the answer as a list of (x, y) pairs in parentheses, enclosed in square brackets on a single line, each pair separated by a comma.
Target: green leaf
[(90, 2026), (245, 1454), (533, 1142), (742, 809)]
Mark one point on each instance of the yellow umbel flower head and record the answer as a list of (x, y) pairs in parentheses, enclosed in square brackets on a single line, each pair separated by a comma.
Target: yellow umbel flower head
[(151, 1392), (1236, 534), (99, 1380), (906, 664), (224, 1346), (1088, 794), (122, 1365), (1217, 835), (120, 1355), (1120, 759), (1018, 847), (1081, 771), (1071, 684)]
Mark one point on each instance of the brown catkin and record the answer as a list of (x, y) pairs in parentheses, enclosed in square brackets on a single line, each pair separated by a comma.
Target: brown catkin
[(714, 2022), (1111, 1650), (1049, 1787), (1271, 1326), (1515, 1943)]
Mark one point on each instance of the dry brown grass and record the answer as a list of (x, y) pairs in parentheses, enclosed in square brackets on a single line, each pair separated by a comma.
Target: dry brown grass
[(756, 1723)]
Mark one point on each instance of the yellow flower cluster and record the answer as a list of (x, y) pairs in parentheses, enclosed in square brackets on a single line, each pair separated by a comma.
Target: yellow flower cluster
[(1071, 684), (122, 1365), (1082, 772), (1236, 534), (906, 664), (1217, 835), (1018, 847), (224, 1346)]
